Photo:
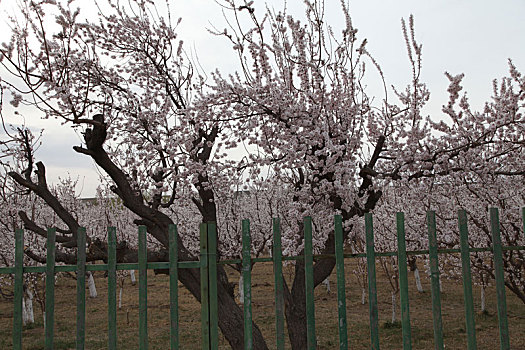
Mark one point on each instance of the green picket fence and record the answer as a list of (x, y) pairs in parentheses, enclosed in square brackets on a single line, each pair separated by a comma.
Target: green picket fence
[(208, 268)]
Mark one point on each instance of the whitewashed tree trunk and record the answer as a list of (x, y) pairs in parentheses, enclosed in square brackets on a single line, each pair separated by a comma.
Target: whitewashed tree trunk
[(326, 282), (44, 319), (440, 286), (120, 297), (483, 299), (393, 307), (418, 280), (27, 308), (91, 286), (363, 296), (25, 316), (241, 289), (133, 278)]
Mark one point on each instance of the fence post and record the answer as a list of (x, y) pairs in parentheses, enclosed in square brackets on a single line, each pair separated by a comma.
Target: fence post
[(81, 288), (279, 289), (174, 285), (212, 280), (143, 289), (372, 289), (403, 280), (50, 288), (205, 322), (112, 288), (247, 284), (341, 293), (19, 289), (500, 279), (467, 280), (434, 277), (309, 284)]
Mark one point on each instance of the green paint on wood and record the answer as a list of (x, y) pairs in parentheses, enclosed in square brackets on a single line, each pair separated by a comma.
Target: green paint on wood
[(434, 280), (143, 289), (212, 280), (372, 289), (112, 288), (205, 321), (174, 284), (309, 284), (50, 289), (19, 289), (467, 280), (403, 280), (500, 280), (341, 293), (247, 284), (279, 291), (81, 288)]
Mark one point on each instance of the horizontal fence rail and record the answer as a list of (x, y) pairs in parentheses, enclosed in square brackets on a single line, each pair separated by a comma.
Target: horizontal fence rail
[(208, 273)]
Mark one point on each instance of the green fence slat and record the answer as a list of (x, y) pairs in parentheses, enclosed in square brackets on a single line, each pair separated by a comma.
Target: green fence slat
[(372, 288), (340, 271), (50, 289), (403, 280), (174, 285), (467, 280), (19, 289), (212, 280), (205, 322), (500, 280), (81, 288), (279, 289), (143, 289), (309, 284), (434, 280), (247, 284), (112, 288)]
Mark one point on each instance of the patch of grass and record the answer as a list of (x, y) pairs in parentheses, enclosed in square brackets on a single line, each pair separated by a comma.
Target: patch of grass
[(263, 305)]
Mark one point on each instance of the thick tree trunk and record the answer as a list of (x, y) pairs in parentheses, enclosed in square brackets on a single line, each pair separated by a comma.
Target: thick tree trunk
[(231, 320), (295, 300)]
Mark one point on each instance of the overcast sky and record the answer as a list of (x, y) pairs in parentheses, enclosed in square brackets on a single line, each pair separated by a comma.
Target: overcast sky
[(474, 37)]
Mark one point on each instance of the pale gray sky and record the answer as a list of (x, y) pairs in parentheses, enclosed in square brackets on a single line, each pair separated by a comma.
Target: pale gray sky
[(475, 37)]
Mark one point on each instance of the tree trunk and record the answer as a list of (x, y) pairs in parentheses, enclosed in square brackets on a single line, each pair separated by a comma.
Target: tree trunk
[(326, 283), (91, 285), (25, 316), (393, 307), (241, 289), (133, 278), (27, 308), (483, 298), (231, 318), (120, 298), (363, 296), (418, 280), (295, 300)]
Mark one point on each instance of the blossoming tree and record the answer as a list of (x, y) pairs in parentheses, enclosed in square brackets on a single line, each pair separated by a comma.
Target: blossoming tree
[(161, 133)]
